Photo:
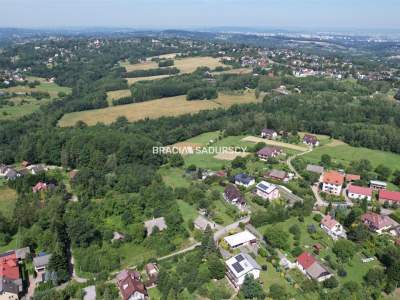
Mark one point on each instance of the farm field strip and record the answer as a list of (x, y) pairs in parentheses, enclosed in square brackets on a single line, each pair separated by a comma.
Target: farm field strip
[(172, 106), (255, 139)]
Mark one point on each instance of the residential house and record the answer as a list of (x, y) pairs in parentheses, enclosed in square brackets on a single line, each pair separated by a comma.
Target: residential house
[(269, 134), (11, 174), (240, 266), (332, 227), (130, 286), (359, 192), (157, 222), (233, 196), (315, 169), (310, 140), (269, 152), (277, 175), (310, 266), (201, 223), (244, 238), (3, 169), (332, 182), (267, 191), (244, 180), (377, 223), (37, 169), (389, 197), (152, 273), (11, 284), (377, 185), (40, 186), (40, 263)]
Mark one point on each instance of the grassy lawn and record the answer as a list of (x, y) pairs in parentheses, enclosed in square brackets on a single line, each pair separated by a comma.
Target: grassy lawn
[(356, 269), (8, 197), (189, 212), (345, 153), (10, 246), (255, 139), (219, 208), (204, 138), (154, 293), (174, 177), (133, 254), (153, 109)]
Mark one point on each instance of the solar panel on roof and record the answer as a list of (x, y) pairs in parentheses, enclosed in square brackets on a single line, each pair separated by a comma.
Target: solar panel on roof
[(238, 268), (239, 258)]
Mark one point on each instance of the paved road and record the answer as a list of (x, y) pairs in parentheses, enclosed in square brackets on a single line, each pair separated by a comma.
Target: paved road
[(220, 233)]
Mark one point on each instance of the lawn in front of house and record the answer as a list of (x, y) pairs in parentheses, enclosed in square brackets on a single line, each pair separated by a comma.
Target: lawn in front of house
[(8, 198), (174, 177)]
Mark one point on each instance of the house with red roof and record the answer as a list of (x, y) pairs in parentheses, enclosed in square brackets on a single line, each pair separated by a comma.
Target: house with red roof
[(332, 182), (333, 228), (130, 285), (11, 282), (312, 268), (377, 223), (359, 192), (389, 196), (352, 177)]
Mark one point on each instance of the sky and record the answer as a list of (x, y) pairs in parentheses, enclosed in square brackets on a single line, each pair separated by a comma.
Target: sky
[(180, 14)]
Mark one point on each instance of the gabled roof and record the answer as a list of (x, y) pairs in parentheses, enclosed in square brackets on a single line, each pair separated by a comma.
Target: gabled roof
[(352, 177), (329, 222), (266, 187), (158, 222), (306, 260), (386, 195), (243, 178), (241, 264), (360, 190), (41, 260), (231, 193), (130, 284), (310, 139), (333, 177), (315, 169), (316, 270), (269, 151), (377, 221), (9, 267), (277, 174)]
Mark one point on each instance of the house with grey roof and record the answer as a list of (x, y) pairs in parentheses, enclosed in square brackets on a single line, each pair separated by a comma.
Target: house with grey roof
[(157, 222), (240, 266), (201, 223), (315, 169), (9, 289)]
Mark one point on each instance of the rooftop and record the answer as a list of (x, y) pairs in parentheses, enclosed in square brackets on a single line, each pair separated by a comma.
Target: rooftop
[(240, 238), (241, 264), (266, 187), (333, 177), (360, 190)]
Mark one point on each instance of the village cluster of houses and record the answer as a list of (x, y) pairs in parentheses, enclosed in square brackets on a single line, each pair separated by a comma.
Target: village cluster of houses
[(271, 134), (11, 173), (338, 183), (263, 189), (12, 285)]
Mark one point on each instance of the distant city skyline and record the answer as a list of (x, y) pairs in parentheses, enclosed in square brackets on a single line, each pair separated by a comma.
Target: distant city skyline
[(162, 14)]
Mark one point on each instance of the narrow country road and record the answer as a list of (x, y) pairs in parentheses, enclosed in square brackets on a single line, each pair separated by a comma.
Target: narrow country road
[(190, 248), (289, 161)]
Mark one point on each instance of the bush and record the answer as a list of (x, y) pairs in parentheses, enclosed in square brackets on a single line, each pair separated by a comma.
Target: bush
[(166, 63), (201, 93), (317, 218), (331, 283)]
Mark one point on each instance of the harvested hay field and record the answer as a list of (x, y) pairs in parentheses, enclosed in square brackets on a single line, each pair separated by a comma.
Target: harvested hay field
[(133, 80), (113, 95), (228, 155), (173, 106), (239, 71), (190, 64), (254, 139), (185, 65)]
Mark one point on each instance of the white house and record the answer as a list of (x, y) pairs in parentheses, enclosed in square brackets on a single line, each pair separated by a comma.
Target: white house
[(267, 190), (332, 182), (377, 185), (240, 266), (240, 239), (244, 180), (332, 227), (359, 192)]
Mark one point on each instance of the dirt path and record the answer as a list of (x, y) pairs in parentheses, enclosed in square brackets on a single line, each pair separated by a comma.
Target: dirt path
[(255, 139)]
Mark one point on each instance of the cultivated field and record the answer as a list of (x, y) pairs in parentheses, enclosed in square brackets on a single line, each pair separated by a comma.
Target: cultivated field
[(136, 79), (228, 155), (234, 71), (173, 106), (113, 95), (254, 139), (185, 65), (25, 104)]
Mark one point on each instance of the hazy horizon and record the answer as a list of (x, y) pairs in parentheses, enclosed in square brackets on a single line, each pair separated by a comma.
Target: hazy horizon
[(182, 14)]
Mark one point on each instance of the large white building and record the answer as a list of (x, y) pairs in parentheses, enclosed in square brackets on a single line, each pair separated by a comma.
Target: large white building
[(332, 182), (240, 266), (240, 239)]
